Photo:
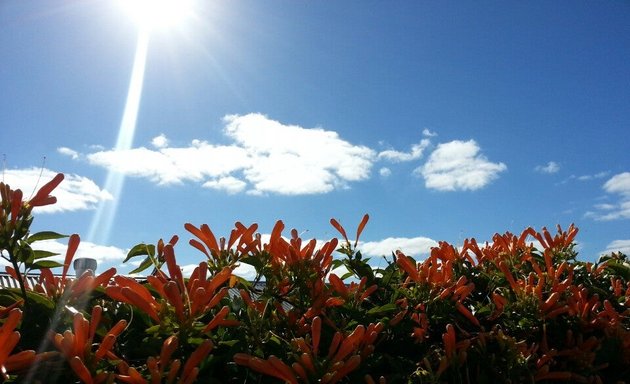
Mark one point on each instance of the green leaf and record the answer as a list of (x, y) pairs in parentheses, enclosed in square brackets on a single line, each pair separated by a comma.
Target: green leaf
[(619, 269), (46, 264), (347, 275), (41, 301), (144, 265), (45, 235), (39, 254), (140, 250), (256, 262), (336, 263), (383, 309), (24, 254), (229, 343)]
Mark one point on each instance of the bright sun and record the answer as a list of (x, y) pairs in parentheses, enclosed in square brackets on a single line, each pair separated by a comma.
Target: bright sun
[(158, 14)]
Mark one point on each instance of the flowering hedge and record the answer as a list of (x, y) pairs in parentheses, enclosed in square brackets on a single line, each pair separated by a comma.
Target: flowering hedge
[(506, 311)]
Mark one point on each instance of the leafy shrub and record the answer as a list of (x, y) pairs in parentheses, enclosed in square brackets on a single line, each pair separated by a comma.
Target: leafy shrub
[(506, 311)]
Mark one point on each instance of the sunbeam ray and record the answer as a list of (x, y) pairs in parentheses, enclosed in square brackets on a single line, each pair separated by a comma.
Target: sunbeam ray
[(101, 224)]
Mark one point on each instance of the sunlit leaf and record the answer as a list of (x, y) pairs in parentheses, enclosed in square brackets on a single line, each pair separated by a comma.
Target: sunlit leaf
[(46, 264), (140, 250), (39, 254), (144, 265), (45, 235)]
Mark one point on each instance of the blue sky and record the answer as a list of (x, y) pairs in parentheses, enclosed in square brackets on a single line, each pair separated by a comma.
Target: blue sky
[(442, 120)]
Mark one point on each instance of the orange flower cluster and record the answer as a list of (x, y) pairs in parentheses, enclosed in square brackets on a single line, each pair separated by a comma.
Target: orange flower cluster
[(345, 354), (80, 350), (543, 282), (165, 369), (188, 300), (9, 339)]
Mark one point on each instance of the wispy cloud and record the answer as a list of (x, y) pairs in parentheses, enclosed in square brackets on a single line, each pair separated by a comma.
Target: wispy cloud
[(599, 175), (265, 156), (459, 165), (617, 185), (385, 172), (68, 152), (73, 194), (622, 246), (410, 246), (550, 167), (398, 156), (428, 133)]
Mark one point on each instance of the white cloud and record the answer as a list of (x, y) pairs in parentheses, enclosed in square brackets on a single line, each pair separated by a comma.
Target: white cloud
[(265, 156), (591, 177), (620, 185), (228, 184), (160, 141), (105, 255), (622, 246), (550, 167), (397, 156), (426, 132), (458, 165), (385, 172), (409, 246), (68, 152), (74, 193)]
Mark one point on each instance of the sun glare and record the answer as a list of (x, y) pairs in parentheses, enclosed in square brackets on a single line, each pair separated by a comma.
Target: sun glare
[(158, 14)]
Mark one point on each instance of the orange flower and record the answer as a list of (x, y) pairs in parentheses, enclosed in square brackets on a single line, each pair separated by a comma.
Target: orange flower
[(8, 340), (77, 346), (42, 197)]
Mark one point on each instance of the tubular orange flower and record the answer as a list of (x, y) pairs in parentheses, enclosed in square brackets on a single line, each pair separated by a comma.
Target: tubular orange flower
[(195, 358), (338, 285), (340, 229), (42, 197), (316, 329), (217, 320), (205, 235), (360, 228), (407, 265), (73, 244), (466, 312), (16, 204), (175, 298), (267, 368), (81, 370), (138, 300), (350, 365), (448, 338)]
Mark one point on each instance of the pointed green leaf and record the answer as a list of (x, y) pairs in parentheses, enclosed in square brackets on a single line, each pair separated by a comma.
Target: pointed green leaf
[(144, 265), (382, 309), (347, 275), (46, 264), (39, 254), (45, 235), (140, 250)]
